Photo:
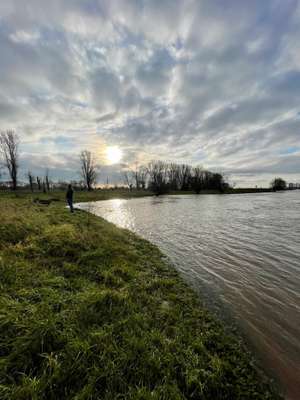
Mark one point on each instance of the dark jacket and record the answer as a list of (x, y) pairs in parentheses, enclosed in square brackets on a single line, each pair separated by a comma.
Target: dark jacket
[(69, 195)]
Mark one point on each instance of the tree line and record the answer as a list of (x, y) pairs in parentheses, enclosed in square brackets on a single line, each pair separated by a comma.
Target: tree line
[(158, 176), (161, 177), (9, 151)]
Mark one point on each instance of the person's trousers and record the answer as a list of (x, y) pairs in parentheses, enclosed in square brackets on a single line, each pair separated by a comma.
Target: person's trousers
[(70, 203)]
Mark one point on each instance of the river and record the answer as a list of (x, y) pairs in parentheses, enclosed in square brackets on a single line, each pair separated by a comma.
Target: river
[(241, 252)]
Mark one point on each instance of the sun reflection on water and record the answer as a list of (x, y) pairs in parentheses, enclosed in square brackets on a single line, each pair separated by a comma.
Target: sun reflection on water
[(118, 214)]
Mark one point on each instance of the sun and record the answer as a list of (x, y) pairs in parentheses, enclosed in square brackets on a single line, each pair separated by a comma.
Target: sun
[(113, 154)]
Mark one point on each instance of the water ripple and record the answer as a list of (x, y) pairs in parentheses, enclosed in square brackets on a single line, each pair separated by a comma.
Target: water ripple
[(242, 251)]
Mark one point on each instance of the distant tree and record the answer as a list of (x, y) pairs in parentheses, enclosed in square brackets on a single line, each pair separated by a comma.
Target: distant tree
[(88, 169), (78, 185), (139, 177), (278, 184), (61, 185), (128, 180), (47, 181), (173, 176), (158, 173), (9, 148), (135, 177), (38, 181), (30, 180), (214, 181), (217, 182), (142, 177), (197, 179), (184, 176)]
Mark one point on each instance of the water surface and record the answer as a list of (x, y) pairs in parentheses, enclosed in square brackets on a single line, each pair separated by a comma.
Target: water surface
[(240, 251)]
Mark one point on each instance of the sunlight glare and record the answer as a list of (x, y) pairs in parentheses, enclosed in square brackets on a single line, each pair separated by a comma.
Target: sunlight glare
[(113, 154)]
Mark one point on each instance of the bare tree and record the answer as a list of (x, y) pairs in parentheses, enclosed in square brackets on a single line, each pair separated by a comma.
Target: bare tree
[(127, 180), (173, 176), (197, 179), (47, 181), (9, 145), (139, 177), (158, 172), (142, 176), (135, 176), (30, 179), (88, 169), (184, 176), (38, 181)]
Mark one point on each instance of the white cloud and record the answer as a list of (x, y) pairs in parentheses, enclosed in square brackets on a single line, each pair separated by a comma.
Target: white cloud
[(218, 85)]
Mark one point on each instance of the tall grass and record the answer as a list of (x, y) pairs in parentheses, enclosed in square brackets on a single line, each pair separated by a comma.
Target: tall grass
[(89, 311)]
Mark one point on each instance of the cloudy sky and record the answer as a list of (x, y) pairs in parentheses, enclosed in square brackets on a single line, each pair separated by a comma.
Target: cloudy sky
[(208, 82)]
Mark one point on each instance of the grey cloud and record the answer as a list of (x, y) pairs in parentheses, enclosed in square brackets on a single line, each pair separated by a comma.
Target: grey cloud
[(217, 85), (40, 67), (154, 75), (285, 84), (106, 90), (289, 164), (8, 110)]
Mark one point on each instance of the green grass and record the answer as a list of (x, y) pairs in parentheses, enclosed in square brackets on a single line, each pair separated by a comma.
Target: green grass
[(248, 190), (80, 195), (90, 311), (106, 194)]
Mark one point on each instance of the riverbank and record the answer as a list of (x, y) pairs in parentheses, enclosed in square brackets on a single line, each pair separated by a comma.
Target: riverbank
[(89, 310), (114, 193), (79, 195)]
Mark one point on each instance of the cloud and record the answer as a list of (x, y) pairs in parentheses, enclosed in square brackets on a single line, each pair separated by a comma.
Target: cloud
[(192, 81), (106, 90)]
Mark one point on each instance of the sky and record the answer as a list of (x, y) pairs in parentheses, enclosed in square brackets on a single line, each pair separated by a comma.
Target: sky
[(207, 82)]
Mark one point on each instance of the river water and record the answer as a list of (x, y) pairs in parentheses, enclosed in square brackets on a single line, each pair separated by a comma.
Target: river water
[(241, 252)]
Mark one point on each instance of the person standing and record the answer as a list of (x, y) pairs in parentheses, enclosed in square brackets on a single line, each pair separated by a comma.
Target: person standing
[(69, 197)]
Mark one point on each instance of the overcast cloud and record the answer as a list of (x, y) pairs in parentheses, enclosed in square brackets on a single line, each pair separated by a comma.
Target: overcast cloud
[(208, 82)]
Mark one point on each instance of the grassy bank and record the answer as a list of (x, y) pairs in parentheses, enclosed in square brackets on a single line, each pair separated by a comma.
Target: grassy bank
[(106, 194), (80, 195), (248, 190), (90, 311)]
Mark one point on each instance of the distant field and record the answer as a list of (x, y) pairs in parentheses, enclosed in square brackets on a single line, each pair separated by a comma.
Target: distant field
[(106, 194), (80, 195), (248, 190)]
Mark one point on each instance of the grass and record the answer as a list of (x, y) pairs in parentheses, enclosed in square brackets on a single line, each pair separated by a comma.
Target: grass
[(80, 195), (106, 194), (248, 190), (90, 311)]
